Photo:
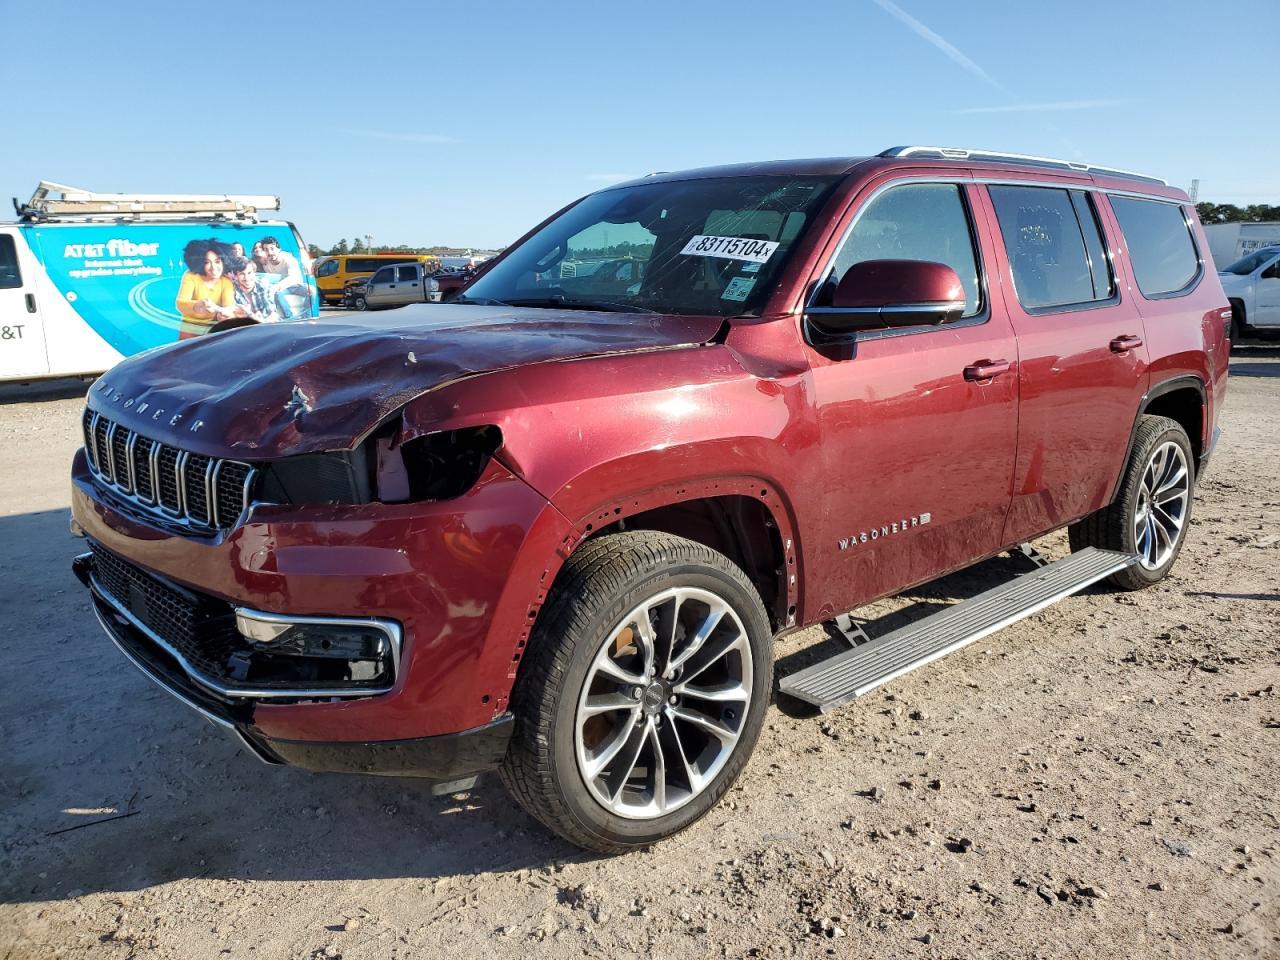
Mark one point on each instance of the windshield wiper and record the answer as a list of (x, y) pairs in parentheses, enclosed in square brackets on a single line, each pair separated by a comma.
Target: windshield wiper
[(606, 306)]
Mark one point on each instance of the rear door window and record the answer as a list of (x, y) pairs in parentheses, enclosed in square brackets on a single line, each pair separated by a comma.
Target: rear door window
[(1161, 250), (10, 275), (917, 221), (1054, 246)]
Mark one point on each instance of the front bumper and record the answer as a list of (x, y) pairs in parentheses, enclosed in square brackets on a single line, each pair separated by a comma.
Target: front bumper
[(459, 577), (447, 757)]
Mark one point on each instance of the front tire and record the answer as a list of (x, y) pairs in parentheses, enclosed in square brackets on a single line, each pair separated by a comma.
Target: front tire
[(1152, 510), (358, 302), (642, 692)]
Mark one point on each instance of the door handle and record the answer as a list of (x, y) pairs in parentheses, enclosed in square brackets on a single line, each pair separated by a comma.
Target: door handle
[(31, 302), (986, 369), (1126, 343)]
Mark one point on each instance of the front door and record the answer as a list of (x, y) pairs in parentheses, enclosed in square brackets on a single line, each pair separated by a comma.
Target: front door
[(381, 286), (1268, 297), (1084, 363), (22, 347), (917, 451)]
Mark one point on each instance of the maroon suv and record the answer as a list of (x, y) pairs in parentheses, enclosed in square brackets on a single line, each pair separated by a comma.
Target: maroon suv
[(553, 527)]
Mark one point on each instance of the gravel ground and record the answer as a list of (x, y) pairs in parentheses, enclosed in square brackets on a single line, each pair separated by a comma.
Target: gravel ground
[(1099, 780)]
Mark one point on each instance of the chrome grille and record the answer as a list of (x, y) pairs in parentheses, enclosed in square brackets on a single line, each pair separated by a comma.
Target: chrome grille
[(205, 493)]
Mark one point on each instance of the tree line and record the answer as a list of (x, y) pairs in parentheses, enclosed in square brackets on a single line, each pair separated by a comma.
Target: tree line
[(359, 246), (1230, 213)]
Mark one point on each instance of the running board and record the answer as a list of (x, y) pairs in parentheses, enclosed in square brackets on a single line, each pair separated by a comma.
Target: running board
[(855, 673)]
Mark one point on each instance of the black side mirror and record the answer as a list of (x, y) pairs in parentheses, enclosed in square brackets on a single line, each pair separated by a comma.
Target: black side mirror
[(880, 294)]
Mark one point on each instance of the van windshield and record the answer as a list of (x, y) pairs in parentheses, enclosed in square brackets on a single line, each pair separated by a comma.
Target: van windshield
[(1247, 264), (710, 246)]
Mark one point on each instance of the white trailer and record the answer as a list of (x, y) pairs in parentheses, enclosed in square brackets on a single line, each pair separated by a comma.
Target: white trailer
[(1228, 242)]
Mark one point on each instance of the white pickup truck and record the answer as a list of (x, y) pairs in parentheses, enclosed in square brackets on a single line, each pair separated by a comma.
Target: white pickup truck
[(1252, 284)]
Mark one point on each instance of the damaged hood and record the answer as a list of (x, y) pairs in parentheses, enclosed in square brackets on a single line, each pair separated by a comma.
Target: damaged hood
[(301, 387)]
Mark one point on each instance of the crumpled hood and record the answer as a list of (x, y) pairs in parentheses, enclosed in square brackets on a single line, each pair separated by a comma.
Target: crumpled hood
[(301, 387)]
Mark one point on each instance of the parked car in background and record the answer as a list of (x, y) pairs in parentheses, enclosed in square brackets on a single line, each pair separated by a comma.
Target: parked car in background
[(337, 272), (394, 285), (1252, 284)]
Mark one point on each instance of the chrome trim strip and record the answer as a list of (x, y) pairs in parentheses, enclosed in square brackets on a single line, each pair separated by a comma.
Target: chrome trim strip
[(155, 470), (110, 472), (389, 627), (91, 441), (213, 494), (208, 490), (180, 471), (130, 446), (246, 488)]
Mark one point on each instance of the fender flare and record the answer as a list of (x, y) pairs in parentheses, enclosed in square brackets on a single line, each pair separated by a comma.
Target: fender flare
[(1154, 391)]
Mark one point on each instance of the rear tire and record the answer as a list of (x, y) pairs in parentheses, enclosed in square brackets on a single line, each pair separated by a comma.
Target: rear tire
[(1152, 510), (616, 744)]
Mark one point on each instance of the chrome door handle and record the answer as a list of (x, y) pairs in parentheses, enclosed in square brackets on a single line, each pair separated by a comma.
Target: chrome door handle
[(986, 369), (1125, 344)]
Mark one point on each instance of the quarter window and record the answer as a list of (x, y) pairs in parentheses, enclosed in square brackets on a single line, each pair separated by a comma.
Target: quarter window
[(1160, 247), (1054, 246), (10, 275), (918, 221)]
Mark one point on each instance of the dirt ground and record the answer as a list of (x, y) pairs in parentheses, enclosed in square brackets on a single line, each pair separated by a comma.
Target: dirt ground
[(1097, 781)]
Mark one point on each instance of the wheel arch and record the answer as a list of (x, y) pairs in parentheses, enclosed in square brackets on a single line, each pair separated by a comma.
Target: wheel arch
[(1181, 399), (744, 518)]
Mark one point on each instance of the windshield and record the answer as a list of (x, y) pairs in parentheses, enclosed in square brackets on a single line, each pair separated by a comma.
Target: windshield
[(686, 247), (1246, 265)]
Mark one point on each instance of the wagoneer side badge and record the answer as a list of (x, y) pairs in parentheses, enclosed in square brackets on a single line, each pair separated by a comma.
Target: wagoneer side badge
[(887, 530)]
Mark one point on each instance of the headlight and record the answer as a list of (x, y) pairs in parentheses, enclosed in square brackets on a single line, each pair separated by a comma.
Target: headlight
[(433, 285)]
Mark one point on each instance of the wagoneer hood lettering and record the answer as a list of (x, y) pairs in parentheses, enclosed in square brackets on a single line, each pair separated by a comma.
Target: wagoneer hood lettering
[(282, 389)]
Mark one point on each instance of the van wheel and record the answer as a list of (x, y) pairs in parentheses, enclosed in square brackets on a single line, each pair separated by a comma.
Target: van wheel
[(1151, 513), (642, 692)]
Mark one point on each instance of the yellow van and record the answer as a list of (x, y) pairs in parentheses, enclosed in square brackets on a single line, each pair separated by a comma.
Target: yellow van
[(333, 273)]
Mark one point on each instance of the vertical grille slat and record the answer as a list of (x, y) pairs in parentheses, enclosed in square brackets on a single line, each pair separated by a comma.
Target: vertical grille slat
[(202, 492)]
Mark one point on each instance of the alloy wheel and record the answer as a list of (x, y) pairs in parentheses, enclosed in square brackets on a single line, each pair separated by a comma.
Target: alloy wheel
[(664, 703), (1161, 512)]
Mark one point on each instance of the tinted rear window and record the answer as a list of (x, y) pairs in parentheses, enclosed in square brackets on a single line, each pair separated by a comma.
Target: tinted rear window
[(10, 275), (1054, 247), (1160, 246)]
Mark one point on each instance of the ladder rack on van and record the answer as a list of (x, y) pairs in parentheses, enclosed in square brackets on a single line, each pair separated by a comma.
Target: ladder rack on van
[(75, 203), (961, 153)]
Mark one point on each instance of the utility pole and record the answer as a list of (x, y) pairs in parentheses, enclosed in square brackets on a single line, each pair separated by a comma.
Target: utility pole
[(1194, 191), (368, 242)]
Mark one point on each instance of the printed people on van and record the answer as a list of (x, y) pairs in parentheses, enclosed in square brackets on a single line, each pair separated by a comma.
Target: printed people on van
[(205, 295), (253, 300), (291, 282)]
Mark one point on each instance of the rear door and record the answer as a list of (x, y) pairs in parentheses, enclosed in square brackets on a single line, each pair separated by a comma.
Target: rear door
[(380, 287), (22, 346), (916, 451), (407, 287), (1268, 297), (1084, 363)]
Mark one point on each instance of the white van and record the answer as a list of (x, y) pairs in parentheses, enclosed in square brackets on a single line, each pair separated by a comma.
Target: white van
[(89, 279)]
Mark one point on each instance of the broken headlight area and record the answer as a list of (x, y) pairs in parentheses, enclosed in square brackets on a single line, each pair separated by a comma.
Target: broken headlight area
[(436, 466), (346, 654)]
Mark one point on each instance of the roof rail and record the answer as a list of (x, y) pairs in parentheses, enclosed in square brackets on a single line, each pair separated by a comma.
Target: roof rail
[(75, 202), (960, 153)]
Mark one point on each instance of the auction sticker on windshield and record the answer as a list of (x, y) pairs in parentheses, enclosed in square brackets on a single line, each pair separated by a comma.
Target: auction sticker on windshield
[(730, 248)]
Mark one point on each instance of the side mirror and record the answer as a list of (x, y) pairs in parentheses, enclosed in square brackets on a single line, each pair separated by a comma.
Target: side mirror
[(879, 294)]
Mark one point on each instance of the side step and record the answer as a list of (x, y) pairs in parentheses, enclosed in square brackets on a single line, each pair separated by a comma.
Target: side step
[(854, 673)]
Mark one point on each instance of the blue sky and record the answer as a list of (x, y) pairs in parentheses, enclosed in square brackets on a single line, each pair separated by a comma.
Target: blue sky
[(466, 124)]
